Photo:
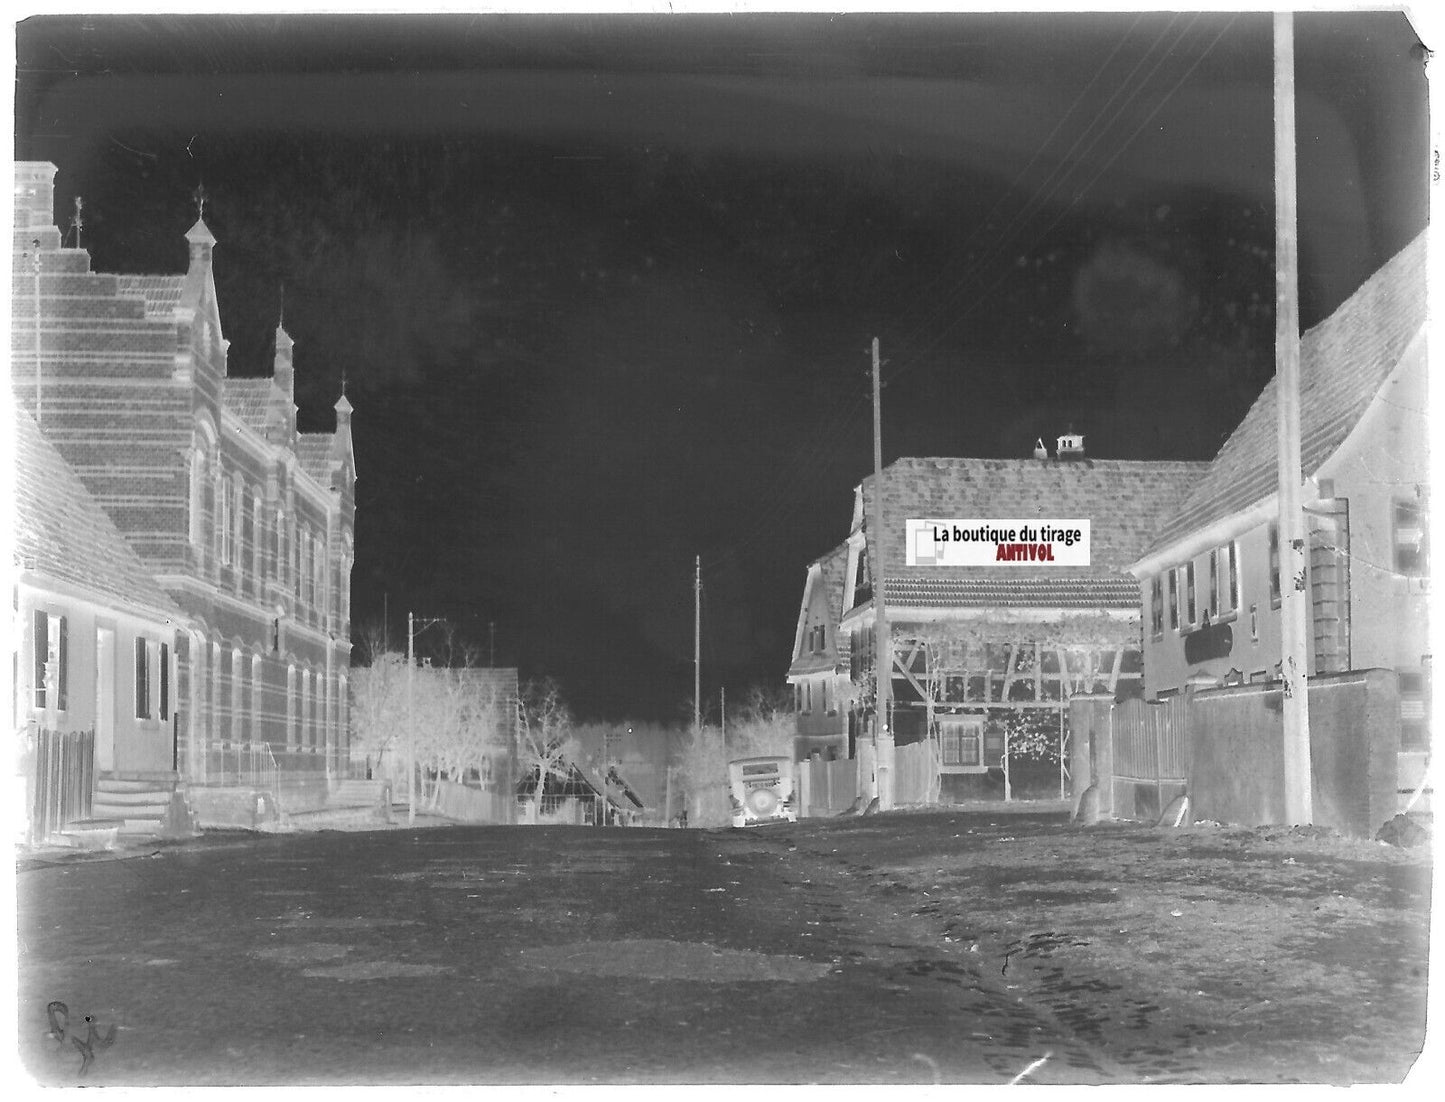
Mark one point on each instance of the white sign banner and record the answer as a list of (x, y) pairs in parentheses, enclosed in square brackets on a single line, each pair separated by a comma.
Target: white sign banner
[(998, 542)]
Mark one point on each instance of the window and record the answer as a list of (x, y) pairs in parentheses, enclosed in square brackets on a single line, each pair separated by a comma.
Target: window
[(1174, 600), (1224, 580), (807, 696), (237, 688), (305, 733), (960, 744), (256, 682), (142, 680), (825, 696), (1232, 550), (290, 705), (198, 478), (1414, 711), (1190, 613), (318, 576), (1411, 543), (220, 512), (1156, 605), (1213, 609), (52, 659), (223, 500), (1274, 564), (279, 573), (257, 546)]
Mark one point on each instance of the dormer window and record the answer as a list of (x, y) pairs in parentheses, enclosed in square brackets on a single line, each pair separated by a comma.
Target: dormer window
[(1411, 546)]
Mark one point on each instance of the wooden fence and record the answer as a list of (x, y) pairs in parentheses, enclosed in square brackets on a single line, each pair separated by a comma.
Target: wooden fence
[(64, 781), (1150, 754), (916, 777)]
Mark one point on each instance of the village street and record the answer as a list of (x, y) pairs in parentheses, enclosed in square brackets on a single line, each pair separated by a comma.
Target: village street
[(942, 947)]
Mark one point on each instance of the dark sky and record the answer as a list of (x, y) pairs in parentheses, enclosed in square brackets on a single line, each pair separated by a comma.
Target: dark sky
[(602, 288)]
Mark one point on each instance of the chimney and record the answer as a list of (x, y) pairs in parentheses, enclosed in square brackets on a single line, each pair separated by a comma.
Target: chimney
[(1071, 446), (1040, 452)]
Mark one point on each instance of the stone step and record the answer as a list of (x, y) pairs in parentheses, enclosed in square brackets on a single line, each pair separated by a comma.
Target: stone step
[(164, 782)]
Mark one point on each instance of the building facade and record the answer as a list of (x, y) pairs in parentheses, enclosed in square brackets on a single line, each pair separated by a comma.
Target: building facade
[(93, 653), (246, 523), (1210, 580), (983, 657)]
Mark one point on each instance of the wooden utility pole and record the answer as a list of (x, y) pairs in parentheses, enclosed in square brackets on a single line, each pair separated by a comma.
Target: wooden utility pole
[(697, 647), (410, 724), (883, 649), (1294, 595)]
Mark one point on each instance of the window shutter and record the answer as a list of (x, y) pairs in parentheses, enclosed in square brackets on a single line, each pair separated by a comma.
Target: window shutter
[(41, 644), (60, 677), (165, 681)]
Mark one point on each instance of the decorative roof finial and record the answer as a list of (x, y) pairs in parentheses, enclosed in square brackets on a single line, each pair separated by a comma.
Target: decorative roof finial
[(76, 222), (281, 309), (199, 195)]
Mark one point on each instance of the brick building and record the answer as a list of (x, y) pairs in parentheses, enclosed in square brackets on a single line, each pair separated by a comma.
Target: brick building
[(246, 523)]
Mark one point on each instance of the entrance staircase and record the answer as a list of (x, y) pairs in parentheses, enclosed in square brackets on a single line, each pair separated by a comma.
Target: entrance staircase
[(142, 805), (356, 793)]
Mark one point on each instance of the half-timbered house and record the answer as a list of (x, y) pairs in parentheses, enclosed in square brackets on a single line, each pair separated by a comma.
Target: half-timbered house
[(986, 657)]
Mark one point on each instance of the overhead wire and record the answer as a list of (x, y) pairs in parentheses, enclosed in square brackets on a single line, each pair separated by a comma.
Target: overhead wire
[(1045, 192)]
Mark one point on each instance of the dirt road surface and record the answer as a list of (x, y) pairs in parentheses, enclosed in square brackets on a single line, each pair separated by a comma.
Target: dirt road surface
[(944, 947)]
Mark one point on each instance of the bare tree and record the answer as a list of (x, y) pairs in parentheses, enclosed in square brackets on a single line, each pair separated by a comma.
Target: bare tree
[(379, 715), (546, 742)]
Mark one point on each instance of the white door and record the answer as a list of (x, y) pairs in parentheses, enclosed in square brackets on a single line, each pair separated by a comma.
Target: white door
[(105, 700)]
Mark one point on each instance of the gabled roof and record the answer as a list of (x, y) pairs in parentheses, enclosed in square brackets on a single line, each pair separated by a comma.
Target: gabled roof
[(61, 532), (162, 293), (313, 452), (827, 572), (248, 399), (1344, 360), (1125, 502)]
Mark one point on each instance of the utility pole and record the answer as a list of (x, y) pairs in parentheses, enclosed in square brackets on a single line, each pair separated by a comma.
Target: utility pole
[(410, 723), (1294, 667), (880, 785), (697, 647), (492, 641), (723, 713), (411, 711)]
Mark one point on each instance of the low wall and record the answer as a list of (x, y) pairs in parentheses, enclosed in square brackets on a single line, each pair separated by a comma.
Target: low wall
[(1236, 770), (473, 805), (233, 806)]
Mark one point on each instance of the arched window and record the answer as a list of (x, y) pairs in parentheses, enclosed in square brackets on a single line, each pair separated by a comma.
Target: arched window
[(197, 502), (258, 545), (319, 587), (280, 570), (291, 705), (258, 729), (220, 512), (238, 686)]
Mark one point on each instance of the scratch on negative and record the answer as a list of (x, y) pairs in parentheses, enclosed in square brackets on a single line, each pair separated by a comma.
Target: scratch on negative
[(1040, 1062)]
